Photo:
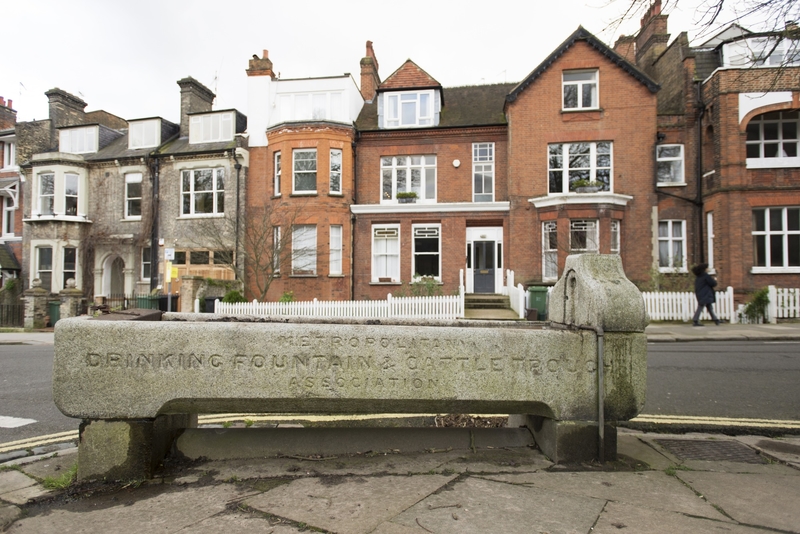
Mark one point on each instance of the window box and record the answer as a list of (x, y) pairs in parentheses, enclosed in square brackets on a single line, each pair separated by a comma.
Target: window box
[(409, 197)]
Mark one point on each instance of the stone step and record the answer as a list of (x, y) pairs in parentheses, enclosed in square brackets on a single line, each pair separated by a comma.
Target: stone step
[(488, 301)]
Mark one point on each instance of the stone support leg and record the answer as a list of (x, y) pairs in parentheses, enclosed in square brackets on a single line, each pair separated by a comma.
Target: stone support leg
[(571, 441), (127, 450)]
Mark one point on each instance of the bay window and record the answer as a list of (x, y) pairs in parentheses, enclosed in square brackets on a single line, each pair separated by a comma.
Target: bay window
[(550, 250), (203, 192), (304, 249), (305, 171), (335, 183), (335, 260), (583, 236)]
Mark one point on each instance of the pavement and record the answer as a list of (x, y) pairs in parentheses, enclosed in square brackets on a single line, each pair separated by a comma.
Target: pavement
[(481, 481)]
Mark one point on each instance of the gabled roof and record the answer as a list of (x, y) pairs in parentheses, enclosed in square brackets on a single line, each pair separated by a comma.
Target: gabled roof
[(408, 76), (581, 34)]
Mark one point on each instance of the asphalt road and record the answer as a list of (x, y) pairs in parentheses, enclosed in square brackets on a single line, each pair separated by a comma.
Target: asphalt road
[(740, 379), (712, 379)]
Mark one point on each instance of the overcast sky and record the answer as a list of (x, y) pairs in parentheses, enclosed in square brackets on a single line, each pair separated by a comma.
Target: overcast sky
[(125, 56)]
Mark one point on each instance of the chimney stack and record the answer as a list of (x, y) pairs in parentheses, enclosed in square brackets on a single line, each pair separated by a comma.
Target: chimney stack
[(8, 117), (626, 47), (65, 109), (195, 98), (261, 67), (369, 74), (652, 39)]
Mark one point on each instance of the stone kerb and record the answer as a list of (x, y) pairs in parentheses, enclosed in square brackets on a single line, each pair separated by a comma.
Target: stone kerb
[(189, 364)]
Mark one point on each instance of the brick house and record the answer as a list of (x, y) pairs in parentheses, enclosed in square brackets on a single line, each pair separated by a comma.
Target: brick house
[(10, 195), (104, 197), (728, 176), (299, 232)]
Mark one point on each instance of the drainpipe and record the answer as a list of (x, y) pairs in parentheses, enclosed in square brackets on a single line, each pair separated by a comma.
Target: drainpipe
[(154, 178), (353, 226), (699, 200), (238, 167)]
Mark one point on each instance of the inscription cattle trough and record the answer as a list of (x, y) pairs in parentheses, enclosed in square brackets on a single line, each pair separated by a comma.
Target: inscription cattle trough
[(148, 378)]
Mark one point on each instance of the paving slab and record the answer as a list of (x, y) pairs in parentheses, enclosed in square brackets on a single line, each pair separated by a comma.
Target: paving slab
[(621, 517), (786, 449), (478, 505), (630, 445), (347, 504), (146, 510), (50, 466), (8, 514), (13, 480), (22, 496), (647, 489), (738, 467), (769, 501), (394, 528), (239, 523)]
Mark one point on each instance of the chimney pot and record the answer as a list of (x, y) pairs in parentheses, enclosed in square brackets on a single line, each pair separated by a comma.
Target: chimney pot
[(265, 55)]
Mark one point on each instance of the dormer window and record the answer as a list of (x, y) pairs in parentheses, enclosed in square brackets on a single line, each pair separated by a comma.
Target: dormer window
[(78, 140), (409, 109), (144, 134), (211, 128)]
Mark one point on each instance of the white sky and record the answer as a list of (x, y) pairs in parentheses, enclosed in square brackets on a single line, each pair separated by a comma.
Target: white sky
[(125, 56)]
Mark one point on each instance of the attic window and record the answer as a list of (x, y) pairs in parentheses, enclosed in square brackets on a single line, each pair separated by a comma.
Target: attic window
[(580, 89), (143, 134), (210, 128), (409, 109), (78, 140)]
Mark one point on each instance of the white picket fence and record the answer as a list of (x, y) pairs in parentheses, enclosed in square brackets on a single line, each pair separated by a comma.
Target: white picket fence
[(516, 294), (442, 307), (680, 306), (784, 303)]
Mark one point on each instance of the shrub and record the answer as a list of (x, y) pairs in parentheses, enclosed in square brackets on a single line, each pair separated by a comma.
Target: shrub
[(756, 309), (234, 296), (288, 296)]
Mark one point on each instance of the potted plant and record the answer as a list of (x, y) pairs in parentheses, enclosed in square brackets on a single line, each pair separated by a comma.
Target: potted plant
[(586, 186), (406, 197)]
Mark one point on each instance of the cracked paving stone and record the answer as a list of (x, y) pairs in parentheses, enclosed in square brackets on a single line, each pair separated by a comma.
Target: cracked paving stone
[(621, 517)]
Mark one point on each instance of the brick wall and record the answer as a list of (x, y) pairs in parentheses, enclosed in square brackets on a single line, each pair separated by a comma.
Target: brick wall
[(627, 118)]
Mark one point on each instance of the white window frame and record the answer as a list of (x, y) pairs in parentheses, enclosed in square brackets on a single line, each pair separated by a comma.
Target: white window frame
[(710, 242), (616, 225), (335, 250), (43, 196), (304, 250), (550, 250), (64, 270), (276, 249), (426, 231), (482, 172), (132, 178), (68, 194), (385, 257), (9, 215), (78, 140), (9, 154), (276, 178), (297, 173), (672, 243), (789, 239), (670, 169), (757, 133), (40, 270), (394, 166), (144, 134), (584, 232), (335, 163), (211, 128), (559, 158), (394, 103), (217, 193), (569, 79), (146, 263)]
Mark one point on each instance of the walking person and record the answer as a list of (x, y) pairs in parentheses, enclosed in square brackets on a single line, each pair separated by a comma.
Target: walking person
[(704, 286)]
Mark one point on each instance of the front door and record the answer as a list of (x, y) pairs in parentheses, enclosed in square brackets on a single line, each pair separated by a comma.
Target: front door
[(483, 266)]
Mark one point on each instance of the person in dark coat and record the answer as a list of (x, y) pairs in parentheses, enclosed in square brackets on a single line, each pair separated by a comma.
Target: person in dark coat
[(704, 286)]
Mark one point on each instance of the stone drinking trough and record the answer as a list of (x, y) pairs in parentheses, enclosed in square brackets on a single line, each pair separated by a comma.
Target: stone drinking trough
[(137, 384)]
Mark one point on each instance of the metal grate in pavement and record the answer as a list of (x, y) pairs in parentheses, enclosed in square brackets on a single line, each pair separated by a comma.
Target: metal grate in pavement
[(730, 451)]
